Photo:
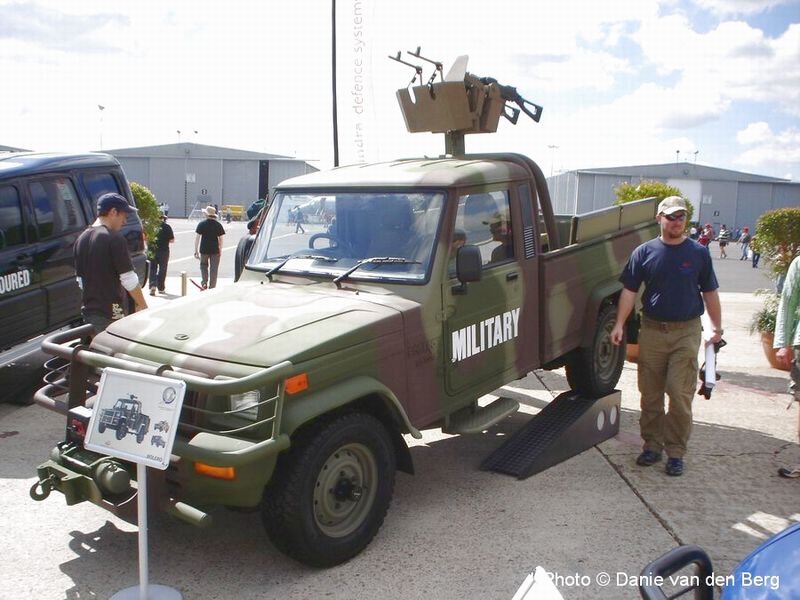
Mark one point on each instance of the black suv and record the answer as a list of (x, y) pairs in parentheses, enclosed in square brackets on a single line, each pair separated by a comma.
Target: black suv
[(46, 201)]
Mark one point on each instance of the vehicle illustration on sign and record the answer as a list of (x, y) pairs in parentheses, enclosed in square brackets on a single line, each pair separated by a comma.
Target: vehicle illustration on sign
[(125, 417), (426, 284), (162, 426), (158, 441)]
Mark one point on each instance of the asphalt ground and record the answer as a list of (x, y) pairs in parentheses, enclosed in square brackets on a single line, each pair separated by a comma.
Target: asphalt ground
[(453, 531)]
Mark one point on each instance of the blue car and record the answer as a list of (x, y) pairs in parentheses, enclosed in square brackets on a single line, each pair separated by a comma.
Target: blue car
[(770, 572)]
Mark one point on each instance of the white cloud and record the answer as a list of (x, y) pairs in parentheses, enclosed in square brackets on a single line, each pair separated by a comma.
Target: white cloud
[(768, 148), (739, 7), (732, 62), (754, 133), (256, 75)]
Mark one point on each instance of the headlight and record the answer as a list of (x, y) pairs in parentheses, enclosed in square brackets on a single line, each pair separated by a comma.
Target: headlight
[(246, 405)]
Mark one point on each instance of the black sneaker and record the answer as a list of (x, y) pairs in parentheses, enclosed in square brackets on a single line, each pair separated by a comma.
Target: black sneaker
[(674, 467), (790, 472), (648, 458)]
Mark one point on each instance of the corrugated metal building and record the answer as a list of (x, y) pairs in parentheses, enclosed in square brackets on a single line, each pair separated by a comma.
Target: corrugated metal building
[(719, 196), (188, 175)]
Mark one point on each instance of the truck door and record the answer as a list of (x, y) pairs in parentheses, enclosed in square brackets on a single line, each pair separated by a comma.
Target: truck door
[(23, 310), (483, 325)]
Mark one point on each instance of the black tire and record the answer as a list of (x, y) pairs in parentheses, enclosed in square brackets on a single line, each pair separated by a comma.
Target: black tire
[(101, 427), (122, 430), (240, 256), (329, 495), (595, 371), (140, 435)]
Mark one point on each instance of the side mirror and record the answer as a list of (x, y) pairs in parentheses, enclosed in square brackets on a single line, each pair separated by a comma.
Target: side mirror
[(468, 267)]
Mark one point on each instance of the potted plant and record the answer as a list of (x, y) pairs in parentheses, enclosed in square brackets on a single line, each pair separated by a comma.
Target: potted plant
[(777, 238), (763, 323)]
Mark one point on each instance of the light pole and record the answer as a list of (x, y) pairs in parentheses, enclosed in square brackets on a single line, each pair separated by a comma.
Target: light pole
[(696, 152), (677, 156), (179, 136), (101, 108), (553, 149)]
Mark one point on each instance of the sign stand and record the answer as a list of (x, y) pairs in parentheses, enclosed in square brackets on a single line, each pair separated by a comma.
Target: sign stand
[(143, 591), (136, 418)]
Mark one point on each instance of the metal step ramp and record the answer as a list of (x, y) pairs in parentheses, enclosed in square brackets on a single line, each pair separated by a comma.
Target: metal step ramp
[(570, 424), (475, 421)]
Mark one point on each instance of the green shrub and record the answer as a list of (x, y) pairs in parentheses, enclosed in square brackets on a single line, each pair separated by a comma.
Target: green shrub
[(778, 238), (148, 213), (628, 192)]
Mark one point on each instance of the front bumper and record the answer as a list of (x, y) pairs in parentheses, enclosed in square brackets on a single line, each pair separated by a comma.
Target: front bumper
[(80, 475)]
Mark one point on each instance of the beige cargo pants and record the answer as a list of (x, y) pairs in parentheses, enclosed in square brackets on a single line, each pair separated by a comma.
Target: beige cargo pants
[(668, 364)]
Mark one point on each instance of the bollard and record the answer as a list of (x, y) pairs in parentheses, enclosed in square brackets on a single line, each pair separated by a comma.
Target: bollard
[(183, 283)]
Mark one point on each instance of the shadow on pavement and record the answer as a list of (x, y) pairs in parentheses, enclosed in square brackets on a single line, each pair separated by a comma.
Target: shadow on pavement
[(453, 518)]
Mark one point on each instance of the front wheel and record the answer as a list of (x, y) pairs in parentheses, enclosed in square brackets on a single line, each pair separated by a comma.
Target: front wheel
[(122, 430), (595, 371), (329, 495)]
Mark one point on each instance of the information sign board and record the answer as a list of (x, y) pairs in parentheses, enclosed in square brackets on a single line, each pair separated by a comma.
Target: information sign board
[(135, 417)]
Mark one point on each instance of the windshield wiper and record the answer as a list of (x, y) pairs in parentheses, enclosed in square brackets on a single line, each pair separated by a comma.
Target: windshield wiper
[(380, 260), (281, 264)]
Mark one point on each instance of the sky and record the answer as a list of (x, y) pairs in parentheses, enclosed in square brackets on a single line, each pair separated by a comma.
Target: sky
[(622, 82)]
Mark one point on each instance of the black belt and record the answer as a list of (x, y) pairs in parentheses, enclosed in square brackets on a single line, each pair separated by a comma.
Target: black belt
[(668, 325)]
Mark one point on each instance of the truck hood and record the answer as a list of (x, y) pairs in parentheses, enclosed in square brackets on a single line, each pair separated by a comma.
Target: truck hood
[(258, 324)]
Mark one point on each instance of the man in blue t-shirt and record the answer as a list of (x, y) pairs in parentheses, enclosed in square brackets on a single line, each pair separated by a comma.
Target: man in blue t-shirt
[(678, 280)]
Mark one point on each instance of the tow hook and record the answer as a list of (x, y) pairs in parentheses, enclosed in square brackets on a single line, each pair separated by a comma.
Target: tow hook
[(46, 486)]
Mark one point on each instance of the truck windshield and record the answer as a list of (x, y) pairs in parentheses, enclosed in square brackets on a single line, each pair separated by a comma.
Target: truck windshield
[(331, 233)]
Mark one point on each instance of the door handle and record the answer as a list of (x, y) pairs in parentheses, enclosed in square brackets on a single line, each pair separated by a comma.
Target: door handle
[(512, 276)]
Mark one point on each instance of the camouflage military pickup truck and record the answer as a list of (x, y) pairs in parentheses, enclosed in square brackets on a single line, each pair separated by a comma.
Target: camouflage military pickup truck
[(422, 285)]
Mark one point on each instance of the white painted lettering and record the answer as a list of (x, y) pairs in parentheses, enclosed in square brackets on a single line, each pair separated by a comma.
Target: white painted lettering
[(474, 349), (484, 335), (507, 327), (498, 331), (459, 345), (515, 317)]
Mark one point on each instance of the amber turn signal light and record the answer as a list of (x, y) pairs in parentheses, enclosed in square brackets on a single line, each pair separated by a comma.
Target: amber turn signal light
[(296, 384), (227, 473)]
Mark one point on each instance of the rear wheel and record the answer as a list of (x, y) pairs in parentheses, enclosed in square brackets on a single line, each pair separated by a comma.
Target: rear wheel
[(329, 495), (595, 371)]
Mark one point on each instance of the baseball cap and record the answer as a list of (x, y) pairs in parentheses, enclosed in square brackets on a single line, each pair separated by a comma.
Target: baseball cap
[(672, 204), (113, 200)]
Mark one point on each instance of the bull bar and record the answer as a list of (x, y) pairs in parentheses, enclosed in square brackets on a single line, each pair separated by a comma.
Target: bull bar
[(215, 447)]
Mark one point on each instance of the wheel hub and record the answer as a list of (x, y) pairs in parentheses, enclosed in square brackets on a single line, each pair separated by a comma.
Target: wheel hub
[(345, 490)]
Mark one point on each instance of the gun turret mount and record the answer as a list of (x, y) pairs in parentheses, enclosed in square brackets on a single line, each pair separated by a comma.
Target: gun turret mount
[(460, 104)]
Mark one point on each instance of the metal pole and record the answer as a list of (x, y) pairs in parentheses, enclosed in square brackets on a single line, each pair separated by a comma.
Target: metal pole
[(141, 505), (183, 283), (333, 82)]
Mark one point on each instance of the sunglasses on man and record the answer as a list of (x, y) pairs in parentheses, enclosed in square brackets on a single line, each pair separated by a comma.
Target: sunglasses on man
[(675, 217)]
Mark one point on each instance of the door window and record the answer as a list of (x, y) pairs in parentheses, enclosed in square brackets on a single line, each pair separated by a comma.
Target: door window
[(484, 220), (98, 184), (55, 204), (11, 227)]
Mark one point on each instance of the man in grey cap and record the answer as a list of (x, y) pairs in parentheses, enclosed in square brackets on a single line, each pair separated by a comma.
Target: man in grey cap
[(679, 280), (103, 265)]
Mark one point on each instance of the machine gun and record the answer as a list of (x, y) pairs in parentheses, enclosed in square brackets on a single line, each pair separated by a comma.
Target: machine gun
[(459, 104)]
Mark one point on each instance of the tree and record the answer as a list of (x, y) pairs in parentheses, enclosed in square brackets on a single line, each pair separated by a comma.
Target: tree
[(148, 213), (628, 192), (777, 238)]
